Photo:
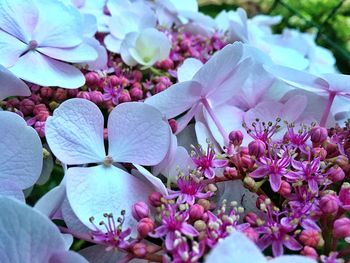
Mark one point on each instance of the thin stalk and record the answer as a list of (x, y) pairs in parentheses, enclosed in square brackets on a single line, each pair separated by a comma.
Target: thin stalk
[(327, 109), (215, 120)]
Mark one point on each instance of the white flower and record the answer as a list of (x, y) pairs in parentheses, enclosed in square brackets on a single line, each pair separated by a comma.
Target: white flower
[(127, 18), (136, 133), (145, 48)]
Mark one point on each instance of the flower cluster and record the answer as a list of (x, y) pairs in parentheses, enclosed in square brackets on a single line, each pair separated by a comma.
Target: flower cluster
[(151, 131)]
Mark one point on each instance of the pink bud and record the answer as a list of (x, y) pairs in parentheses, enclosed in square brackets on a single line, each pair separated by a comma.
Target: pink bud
[(155, 199), (167, 64), (96, 97), (136, 93), (139, 250), (310, 237), (344, 195), (160, 87), (124, 96), (124, 81), (145, 226), (39, 107), (320, 152), (137, 75), (285, 188), (27, 106), (318, 135), (257, 148), (140, 210), (236, 137), (230, 172), (329, 204), (336, 174), (246, 161), (341, 227), (39, 126), (173, 125), (114, 80), (42, 115), (251, 218), (342, 161), (83, 95), (196, 211), (91, 78), (137, 85), (60, 94), (72, 93), (46, 92), (309, 252)]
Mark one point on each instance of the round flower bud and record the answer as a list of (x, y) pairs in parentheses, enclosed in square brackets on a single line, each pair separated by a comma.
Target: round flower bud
[(257, 148), (341, 227), (251, 218), (310, 237), (96, 97), (46, 92), (230, 172), (60, 94), (285, 188), (320, 152), (329, 204), (27, 106), (124, 96), (236, 138), (140, 210), (309, 252), (155, 199), (72, 93), (83, 95), (318, 135), (336, 174), (145, 226), (136, 93), (114, 80), (91, 78), (196, 211)]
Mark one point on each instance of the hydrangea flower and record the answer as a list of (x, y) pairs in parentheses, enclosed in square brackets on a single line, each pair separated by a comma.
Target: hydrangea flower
[(145, 48), (136, 134), (329, 84), (10, 85), (21, 157), (28, 236), (211, 85), (127, 17), (238, 248), (31, 33)]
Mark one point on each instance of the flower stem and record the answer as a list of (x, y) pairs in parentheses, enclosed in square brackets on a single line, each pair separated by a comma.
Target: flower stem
[(215, 120), (327, 109)]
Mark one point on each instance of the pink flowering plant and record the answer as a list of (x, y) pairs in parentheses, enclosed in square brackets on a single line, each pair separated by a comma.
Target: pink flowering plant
[(146, 131)]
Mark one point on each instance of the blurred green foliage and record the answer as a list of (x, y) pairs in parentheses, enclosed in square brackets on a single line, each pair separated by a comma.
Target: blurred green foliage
[(329, 19)]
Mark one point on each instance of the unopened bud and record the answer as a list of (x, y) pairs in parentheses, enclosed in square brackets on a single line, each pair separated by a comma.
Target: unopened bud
[(140, 210), (310, 237), (196, 211), (236, 137), (329, 204), (257, 148), (318, 135), (145, 226), (341, 227)]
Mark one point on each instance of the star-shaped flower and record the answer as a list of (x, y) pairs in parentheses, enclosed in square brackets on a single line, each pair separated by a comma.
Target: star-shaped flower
[(136, 134)]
